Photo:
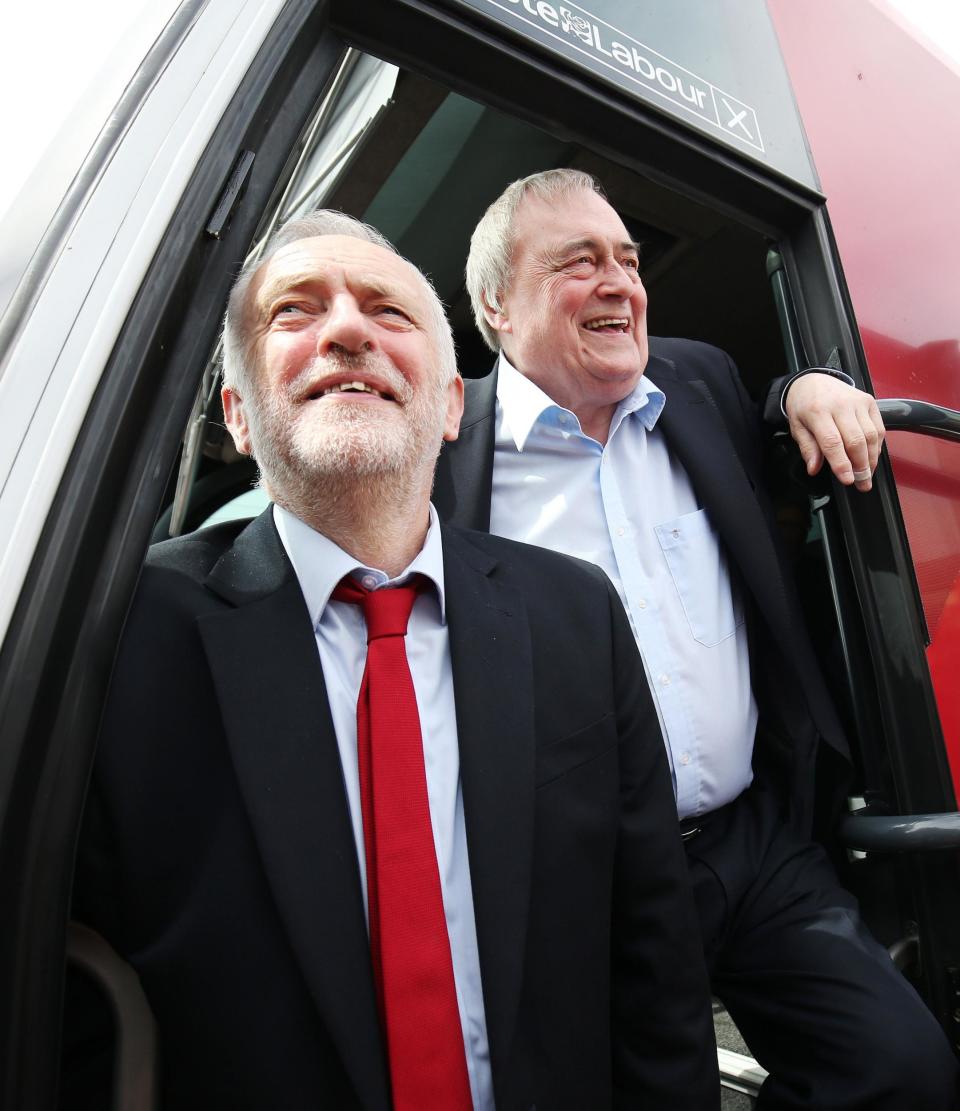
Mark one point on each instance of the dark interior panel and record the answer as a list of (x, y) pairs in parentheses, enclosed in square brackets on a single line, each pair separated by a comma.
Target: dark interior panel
[(436, 160)]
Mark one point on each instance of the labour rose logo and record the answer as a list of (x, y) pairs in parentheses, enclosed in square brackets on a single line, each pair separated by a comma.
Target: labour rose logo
[(581, 27)]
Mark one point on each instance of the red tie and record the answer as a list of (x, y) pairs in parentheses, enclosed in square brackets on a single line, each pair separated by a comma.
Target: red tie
[(409, 946)]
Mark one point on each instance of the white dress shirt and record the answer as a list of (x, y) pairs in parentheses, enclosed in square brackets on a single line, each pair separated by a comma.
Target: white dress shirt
[(342, 643), (628, 506)]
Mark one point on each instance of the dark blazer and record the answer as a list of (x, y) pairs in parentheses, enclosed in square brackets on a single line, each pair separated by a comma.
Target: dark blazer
[(218, 854), (713, 428)]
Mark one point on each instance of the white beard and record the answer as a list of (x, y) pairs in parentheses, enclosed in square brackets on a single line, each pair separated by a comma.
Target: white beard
[(297, 443)]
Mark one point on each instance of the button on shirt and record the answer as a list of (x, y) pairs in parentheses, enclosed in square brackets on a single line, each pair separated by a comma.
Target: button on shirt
[(341, 637), (629, 507)]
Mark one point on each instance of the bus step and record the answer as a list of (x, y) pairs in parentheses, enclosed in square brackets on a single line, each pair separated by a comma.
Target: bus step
[(739, 1073)]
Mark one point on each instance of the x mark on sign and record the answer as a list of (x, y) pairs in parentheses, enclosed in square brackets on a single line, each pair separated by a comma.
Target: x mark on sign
[(736, 118)]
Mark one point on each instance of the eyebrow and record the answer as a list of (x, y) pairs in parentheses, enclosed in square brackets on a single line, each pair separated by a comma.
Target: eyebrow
[(593, 244), (371, 284)]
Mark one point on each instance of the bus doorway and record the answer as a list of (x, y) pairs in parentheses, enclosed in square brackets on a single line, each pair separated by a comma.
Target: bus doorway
[(413, 116)]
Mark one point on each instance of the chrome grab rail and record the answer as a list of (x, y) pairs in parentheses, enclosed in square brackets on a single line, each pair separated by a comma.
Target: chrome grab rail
[(902, 414), (135, 1074), (901, 832)]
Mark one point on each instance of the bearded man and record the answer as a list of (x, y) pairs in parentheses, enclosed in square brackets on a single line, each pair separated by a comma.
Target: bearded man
[(371, 817)]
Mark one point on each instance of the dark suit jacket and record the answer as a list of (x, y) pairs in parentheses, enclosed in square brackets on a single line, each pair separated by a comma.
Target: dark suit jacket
[(218, 855), (712, 427)]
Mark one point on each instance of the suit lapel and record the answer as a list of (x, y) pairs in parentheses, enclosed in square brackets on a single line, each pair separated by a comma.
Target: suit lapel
[(493, 685), (464, 477), (269, 682), (699, 437)]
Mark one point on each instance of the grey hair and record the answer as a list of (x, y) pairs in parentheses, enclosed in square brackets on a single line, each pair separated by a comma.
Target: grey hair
[(489, 264), (238, 361)]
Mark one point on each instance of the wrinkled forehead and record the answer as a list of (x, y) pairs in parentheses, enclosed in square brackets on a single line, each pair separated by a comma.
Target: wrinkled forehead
[(337, 260), (546, 227)]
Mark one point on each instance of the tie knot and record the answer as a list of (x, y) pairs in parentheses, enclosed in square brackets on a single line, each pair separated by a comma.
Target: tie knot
[(386, 611)]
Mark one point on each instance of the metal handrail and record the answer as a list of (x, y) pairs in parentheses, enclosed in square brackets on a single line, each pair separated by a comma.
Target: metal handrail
[(898, 833), (902, 414), (135, 1073)]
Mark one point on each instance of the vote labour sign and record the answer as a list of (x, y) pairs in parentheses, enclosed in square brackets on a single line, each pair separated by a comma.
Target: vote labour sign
[(739, 95)]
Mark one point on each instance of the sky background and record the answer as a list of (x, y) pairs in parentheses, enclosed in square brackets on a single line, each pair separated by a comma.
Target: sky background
[(939, 19)]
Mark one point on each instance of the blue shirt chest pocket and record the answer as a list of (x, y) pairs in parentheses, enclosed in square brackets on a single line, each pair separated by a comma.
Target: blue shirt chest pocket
[(698, 566)]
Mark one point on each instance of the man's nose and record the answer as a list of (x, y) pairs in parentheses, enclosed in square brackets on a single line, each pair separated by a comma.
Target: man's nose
[(616, 280), (346, 328)]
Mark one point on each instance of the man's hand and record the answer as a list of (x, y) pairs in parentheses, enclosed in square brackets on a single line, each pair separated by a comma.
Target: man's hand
[(833, 421)]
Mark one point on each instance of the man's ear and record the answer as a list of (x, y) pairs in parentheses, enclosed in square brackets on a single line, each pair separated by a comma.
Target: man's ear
[(495, 313), (451, 424), (235, 419)]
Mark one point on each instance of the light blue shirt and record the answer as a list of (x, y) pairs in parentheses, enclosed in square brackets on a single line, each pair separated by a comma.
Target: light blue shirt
[(629, 507), (342, 643)]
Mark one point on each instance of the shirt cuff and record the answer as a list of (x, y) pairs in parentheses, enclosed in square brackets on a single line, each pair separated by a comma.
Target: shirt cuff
[(811, 370)]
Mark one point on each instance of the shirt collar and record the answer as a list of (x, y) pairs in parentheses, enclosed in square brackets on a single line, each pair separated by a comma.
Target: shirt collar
[(645, 400), (523, 404), (320, 564)]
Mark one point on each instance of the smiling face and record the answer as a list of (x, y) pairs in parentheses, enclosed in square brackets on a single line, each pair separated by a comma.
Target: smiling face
[(347, 376), (574, 318)]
